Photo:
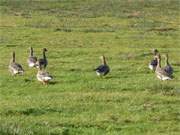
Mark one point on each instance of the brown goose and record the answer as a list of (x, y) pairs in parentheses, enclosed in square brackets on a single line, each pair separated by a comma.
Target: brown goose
[(160, 72), (168, 68), (43, 61), (32, 60), (153, 63), (14, 67), (43, 76), (103, 69)]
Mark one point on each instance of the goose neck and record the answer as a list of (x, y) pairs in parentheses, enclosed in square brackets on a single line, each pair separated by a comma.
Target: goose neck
[(13, 57), (103, 61), (44, 54), (167, 60), (31, 51), (159, 62)]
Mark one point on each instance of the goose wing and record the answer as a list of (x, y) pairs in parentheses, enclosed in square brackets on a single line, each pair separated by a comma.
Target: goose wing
[(168, 69), (103, 69), (16, 68), (32, 59), (42, 62), (162, 72), (153, 62), (44, 76)]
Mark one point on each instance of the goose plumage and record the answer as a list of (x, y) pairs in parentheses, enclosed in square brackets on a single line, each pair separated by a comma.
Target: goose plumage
[(103, 69), (160, 72), (153, 63), (43, 61), (43, 76), (32, 60), (168, 68), (14, 67)]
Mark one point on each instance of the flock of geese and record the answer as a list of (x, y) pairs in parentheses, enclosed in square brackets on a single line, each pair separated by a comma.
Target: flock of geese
[(165, 73), (41, 64), (42, 75)]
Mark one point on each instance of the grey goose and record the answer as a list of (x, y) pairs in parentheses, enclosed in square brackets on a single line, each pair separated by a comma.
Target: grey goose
[(43, 76), (32, 60), (152, 65), (43, 61), (103, 69), (168, 68), (14, 67), (160, 72)]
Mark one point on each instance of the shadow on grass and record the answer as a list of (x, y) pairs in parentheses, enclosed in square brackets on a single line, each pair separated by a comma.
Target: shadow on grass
[(110, 77), (32, 111), (53, 82)]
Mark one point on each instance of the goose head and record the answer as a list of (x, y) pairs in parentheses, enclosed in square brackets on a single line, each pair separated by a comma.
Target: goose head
[(155, 52), (45, 50)]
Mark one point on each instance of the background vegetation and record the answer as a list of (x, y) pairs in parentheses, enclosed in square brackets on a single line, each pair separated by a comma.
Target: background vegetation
[(129, 101)]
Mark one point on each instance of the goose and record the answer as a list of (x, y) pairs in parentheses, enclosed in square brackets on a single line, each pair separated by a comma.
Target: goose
[(43, 76), (160, 72), (103, 69), (14, 67), (168, 68), (43, 61), (153, 63), (32, 60)]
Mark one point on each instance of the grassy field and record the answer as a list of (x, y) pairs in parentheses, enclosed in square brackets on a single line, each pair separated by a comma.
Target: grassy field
[(128, 101)]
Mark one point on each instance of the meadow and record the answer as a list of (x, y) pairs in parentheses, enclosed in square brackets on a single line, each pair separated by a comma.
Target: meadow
[(130, 100)]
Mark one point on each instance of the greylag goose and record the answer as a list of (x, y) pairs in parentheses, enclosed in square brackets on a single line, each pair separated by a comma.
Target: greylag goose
[(32, 60), (14, 67), (43, 61), (160, 72), (168, 68), (103, 69), (153, 63), (43, 76)]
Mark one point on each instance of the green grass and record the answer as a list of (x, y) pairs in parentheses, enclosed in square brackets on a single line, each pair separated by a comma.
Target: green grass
[(128, 101)]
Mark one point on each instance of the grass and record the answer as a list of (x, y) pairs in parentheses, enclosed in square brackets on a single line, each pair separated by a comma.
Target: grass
[(129, 100)]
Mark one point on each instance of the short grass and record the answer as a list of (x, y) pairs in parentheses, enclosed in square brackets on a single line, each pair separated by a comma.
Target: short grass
[(128, 101)]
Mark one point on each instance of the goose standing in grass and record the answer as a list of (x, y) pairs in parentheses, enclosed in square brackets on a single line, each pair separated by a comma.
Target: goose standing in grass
[(168, 68), (43, 61), (43, 76), (14, 67), (153, 63), (32, 60), (103, 69), (160, 72)]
